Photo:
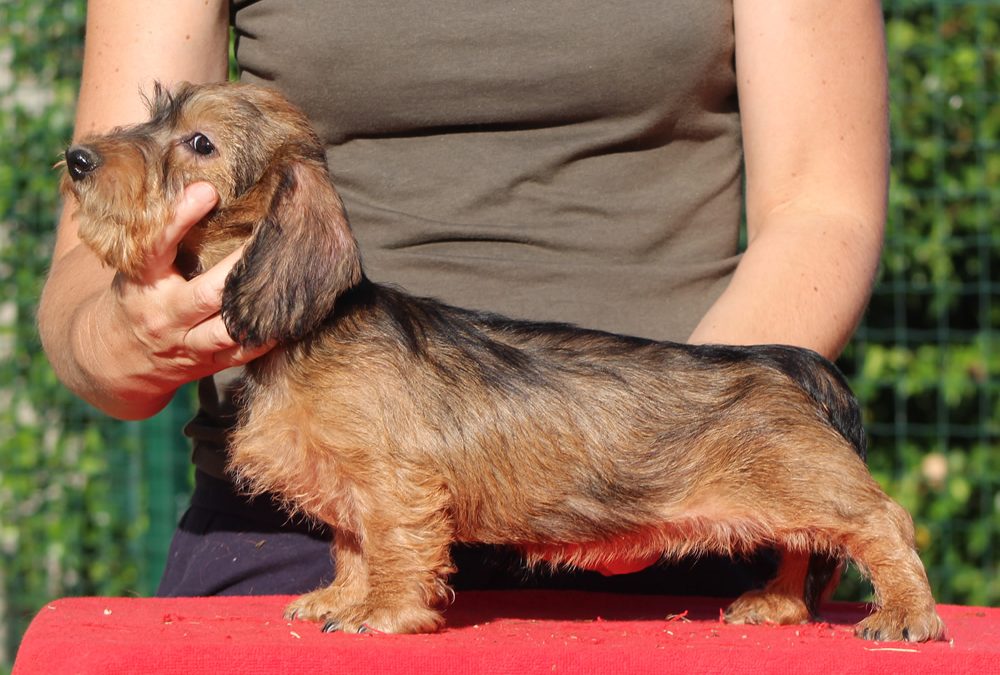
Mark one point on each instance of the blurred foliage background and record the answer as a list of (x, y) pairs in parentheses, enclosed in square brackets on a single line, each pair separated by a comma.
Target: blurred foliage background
[(87, 504)]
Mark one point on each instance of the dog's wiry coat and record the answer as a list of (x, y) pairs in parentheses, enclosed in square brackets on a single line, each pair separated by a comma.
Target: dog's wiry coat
[(408, 425)]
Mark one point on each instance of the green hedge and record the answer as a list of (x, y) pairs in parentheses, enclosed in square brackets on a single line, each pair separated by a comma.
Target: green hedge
[(86, 503)]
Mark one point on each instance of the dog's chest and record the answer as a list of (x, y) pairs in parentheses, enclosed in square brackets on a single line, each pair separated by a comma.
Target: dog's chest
[(302, 441)]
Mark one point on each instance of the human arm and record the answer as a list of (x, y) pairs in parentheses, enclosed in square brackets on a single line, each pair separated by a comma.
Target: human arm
[(813, 100), (125, 346)]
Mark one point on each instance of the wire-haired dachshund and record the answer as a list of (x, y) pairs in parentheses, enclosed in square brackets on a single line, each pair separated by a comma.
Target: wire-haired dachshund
[(407, 425)]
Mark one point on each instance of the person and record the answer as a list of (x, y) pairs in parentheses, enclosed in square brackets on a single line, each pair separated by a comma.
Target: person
[(574, 161)]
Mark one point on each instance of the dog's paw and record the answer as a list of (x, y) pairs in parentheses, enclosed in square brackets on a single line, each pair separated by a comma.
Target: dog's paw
[(316, 605), (366, 618), (898, 625), (327, 606), (757, 607)]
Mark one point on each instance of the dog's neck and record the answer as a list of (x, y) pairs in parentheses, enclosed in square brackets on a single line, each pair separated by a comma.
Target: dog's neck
[(210, 240)]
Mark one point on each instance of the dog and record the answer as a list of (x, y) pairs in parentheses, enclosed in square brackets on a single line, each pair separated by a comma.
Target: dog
[(407, 425)]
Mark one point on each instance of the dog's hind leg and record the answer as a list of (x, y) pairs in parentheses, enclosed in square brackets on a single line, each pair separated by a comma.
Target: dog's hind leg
[(781, 601), (878, 536), (822, 501), (883, 547), (802, 582)]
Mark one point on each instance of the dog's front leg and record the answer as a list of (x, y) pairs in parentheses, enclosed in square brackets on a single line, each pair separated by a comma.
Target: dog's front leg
[(349, 588), (391, 578)]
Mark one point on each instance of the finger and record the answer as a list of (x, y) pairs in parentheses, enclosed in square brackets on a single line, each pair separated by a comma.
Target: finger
[(204, 292), (238, 356), (212, 343), (209, 337), (197, 200)]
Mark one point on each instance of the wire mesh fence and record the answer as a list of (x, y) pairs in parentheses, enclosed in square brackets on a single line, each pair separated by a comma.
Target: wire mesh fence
[(87, 504), (925, 361)]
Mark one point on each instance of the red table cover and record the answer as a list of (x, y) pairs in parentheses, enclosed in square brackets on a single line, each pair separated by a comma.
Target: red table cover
[(487, 632)]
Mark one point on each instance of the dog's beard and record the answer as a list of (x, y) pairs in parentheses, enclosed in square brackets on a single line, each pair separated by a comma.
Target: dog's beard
[(119, 223)]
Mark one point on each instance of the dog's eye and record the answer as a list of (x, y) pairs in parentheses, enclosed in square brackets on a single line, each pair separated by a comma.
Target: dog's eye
[(200, 144)]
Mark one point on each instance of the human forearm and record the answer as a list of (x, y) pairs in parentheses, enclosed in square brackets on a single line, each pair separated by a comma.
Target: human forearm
[(93, 351), (805, 280), (126, 346), (813, 100)]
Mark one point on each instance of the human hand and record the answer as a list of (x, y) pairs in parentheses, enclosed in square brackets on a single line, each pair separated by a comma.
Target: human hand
[(173, 325)]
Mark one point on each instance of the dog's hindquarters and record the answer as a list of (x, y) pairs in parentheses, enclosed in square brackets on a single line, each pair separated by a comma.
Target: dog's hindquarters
[(829, 389), (843, 513)]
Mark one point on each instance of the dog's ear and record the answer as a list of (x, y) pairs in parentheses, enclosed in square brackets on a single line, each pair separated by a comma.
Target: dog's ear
[(300, 257)]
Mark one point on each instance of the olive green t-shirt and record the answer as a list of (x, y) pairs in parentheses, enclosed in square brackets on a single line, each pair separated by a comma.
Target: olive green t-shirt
[(564, 161)]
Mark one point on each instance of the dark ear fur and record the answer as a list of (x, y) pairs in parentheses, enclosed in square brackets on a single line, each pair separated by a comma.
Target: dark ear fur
[(299, 259)]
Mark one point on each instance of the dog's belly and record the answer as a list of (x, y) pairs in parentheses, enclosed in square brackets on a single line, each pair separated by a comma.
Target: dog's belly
[(688, 535), (586, 532)]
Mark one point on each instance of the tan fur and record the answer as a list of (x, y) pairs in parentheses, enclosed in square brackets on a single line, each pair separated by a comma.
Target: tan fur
[(408, 425)]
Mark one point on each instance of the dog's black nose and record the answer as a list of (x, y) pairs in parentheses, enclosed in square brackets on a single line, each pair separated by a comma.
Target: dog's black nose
[(81, 161)]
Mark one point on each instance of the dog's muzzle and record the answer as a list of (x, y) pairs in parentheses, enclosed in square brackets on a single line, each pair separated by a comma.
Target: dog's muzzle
[(81, 162)]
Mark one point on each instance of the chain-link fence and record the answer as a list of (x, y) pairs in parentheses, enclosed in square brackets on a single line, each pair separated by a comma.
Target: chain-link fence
[(87, 504)]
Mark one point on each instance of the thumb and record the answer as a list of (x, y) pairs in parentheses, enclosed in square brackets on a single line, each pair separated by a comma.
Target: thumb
[(195, 203)]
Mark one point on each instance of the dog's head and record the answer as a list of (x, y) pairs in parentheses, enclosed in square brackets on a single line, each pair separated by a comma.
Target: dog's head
[(269, 169)]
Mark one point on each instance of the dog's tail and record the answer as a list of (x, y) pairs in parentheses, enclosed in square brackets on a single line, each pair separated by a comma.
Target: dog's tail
[(829, 388)]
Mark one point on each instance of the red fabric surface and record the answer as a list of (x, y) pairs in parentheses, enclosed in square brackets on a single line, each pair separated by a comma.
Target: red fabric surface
[(487, 632)]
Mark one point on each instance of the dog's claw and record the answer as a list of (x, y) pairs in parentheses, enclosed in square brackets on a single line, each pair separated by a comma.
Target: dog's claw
[(897, 626), (334, 626), (869, 634)]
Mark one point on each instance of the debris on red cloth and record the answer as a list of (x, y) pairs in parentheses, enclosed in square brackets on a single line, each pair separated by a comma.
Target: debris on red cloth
[(487, 632)]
